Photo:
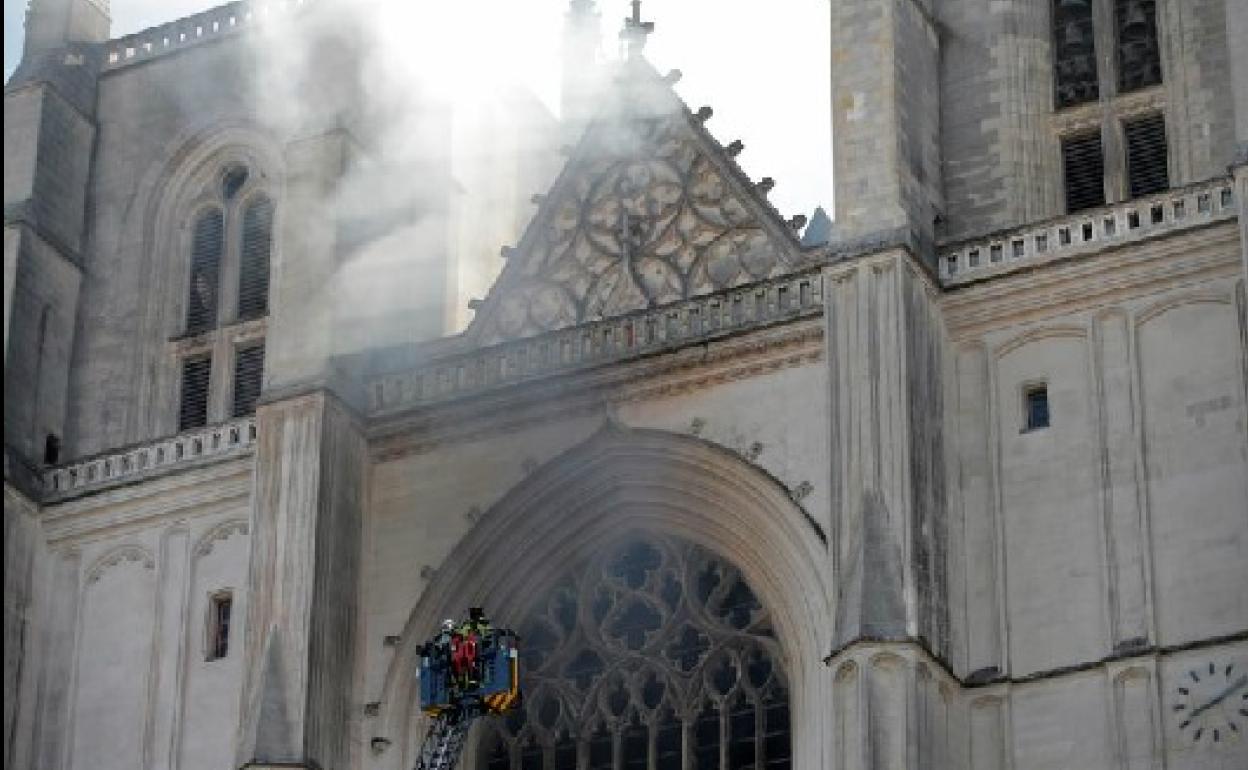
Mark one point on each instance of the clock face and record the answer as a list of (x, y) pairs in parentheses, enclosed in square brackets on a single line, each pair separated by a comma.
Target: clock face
[(1211, 703)]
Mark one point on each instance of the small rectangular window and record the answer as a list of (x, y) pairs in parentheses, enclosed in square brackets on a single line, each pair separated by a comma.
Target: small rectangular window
[(1035, 407), (220, 606), (248, 378), (193, 409), (1084, 168), (1148, 157)]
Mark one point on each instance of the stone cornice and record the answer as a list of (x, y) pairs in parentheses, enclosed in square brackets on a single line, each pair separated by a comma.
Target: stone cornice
[(1052, 289), (129, 465), (975, 681), (189, 31), (1087, 233), (669, 373), (207, 489), (670, 328)]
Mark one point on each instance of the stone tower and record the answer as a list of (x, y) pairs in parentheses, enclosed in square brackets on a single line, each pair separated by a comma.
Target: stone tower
[(49, 131)]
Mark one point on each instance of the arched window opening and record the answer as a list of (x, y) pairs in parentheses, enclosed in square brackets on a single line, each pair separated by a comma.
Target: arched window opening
[(253, 270), (636, 648), (232, 181), (207, 239)]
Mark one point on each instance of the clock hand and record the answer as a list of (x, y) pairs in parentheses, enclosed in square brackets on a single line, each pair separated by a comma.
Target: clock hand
[(1238, 683)]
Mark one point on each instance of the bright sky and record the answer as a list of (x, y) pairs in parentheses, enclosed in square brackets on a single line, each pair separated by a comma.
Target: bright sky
[(763, 67)]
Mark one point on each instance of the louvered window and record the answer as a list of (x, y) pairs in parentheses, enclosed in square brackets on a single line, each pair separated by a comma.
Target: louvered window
[(1147, 155), (248, 374), (207, 239), (253, 271), (1139, 56), (1074, 52), (1084, 169), (193, 410)]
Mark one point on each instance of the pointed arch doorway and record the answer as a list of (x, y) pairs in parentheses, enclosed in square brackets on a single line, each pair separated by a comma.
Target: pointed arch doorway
[(636, 561)]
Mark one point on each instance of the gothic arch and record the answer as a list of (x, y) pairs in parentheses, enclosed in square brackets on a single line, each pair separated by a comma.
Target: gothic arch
[(168, 195), (622, 481)]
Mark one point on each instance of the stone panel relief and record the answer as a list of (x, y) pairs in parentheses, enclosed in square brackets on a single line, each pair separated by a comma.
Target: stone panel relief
[(113, 659), (888, 716), (849, 741), (1135, 737), (210, 692), (1048, 495), (1196, 465), (988, 748), (644, 218), (1124, 526)]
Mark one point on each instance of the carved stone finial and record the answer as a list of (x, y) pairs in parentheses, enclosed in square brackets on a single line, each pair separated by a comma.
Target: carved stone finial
[(735, 147), (673, 77), (802, 491), (703, 114), (635, 32), (798, 222), (765, 185)]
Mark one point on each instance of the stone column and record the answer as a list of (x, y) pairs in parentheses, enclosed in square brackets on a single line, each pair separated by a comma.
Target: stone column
[(168, 662), (976, 552), (303, 585), (1124, 524), (884, 350)]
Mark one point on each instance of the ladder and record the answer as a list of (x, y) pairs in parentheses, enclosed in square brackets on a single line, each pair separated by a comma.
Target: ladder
[(445, 740)]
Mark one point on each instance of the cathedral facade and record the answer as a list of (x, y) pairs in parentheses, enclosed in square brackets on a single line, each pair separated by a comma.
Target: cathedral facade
[(963, 484)]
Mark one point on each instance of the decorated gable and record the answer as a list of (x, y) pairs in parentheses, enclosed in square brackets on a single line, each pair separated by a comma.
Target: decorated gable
[(649, 210)]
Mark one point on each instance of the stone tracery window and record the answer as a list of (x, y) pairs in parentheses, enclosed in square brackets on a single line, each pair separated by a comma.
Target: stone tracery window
[(221, 348), (654, 653)]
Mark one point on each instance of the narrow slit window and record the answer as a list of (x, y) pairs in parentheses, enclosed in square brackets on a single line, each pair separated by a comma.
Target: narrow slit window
[(206, 243), (253, 269), (1148, 157), (1074, 53), (1139, 55), (220, 608), (1035, 407), (1084, 168), (193, 408), (248, 378)]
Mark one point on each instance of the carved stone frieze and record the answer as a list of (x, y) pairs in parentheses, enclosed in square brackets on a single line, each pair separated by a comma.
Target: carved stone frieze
[(125, 554), (218, 533)]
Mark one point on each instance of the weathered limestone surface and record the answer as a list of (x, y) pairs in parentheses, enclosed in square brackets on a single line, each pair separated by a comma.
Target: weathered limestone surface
[(944, 587)]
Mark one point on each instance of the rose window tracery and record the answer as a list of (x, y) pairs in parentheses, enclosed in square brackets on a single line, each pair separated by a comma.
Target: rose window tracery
[(647, 219), (654, 653)]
